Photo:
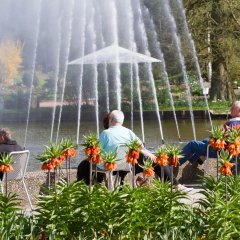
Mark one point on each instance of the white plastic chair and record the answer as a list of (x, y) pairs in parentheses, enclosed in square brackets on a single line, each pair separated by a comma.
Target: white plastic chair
[(122, 165), (20, 162), (208, 159)]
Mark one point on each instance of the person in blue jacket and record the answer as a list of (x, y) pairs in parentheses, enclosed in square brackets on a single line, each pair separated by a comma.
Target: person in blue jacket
[(196, 151)]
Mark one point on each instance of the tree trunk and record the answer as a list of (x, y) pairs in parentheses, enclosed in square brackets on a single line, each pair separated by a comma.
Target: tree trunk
[(220, 86)]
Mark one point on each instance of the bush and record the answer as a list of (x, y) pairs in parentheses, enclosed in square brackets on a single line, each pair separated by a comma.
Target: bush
[(150, 212)]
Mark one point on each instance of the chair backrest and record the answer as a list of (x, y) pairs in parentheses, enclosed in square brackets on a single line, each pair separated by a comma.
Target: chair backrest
[(20, 162), (121, 158)]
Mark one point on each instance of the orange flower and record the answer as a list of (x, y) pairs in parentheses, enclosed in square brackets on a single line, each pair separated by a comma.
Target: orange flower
[(98, 159), (134, 153), (237, 141), (132, 156), (233, 149), (110, 165), (227, 164), (162, 160), (8, 168), (61, 159), (71, 152), (228, 171), (56, 162), (2, 167), (173, 160), (225, 170), (88, 151), (47, 166), (95, 150), (219, 144), (131, 159), (212, 142), (148, 172)]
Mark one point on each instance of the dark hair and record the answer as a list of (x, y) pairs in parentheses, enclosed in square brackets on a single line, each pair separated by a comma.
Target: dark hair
[(5, 133), (106, 121)]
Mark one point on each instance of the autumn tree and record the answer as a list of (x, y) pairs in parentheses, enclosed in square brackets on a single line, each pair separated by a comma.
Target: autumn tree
[(10, 61)]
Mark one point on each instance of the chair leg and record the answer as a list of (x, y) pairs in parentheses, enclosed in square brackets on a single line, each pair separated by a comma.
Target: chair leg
[(117, 180), (205, 167), (2, 187), (110, 181), (29, 200), (105, 180)]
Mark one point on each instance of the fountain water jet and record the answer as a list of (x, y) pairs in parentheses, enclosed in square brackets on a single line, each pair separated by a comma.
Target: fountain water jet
[(33, 71), (119, 45), (72, 2)]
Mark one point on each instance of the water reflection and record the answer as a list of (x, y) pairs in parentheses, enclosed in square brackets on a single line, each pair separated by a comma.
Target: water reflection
[(39, 134)]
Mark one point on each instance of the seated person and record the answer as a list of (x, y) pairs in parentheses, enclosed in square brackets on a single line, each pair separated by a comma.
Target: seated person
[(197, 150), (7, 145), (117, 134)]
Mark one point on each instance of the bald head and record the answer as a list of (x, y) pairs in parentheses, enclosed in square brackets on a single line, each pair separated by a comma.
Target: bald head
[(235, 110)]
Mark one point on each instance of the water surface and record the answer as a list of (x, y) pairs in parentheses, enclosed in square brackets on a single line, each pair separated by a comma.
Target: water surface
[(39, 135)]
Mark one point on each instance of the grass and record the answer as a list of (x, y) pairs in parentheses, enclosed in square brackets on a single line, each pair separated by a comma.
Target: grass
[(197, 104)]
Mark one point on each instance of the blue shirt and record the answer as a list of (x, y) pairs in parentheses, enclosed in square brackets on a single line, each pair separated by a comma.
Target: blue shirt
[(113, 136)]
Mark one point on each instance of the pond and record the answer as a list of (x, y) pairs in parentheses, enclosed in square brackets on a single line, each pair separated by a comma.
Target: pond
[(39, 135)]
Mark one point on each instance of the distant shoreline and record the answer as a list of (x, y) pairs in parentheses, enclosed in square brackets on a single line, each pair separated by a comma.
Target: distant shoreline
[(71, 116)]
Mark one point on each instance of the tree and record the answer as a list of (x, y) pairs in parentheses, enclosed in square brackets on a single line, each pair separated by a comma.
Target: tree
[(10, 61), (220, 20)]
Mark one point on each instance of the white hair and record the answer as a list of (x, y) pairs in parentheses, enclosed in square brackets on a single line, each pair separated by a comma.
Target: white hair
[(117, 116)]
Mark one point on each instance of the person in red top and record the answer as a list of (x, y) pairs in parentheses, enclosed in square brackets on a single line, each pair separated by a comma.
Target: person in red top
[(197, 150), (234, 122)]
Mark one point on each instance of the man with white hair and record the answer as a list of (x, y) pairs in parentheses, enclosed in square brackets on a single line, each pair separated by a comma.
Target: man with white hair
[(118, 134), (113, 135)]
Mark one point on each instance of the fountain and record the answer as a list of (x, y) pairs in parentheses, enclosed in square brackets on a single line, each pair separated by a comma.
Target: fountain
[(101, 55)]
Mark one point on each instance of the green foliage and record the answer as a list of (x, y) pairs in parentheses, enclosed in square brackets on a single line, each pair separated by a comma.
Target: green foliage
[(14, 225), (152, 212), (67, 143), (218, 21), (221, 216), (50, 152), (141, 213), (91, 140), (6, 159)]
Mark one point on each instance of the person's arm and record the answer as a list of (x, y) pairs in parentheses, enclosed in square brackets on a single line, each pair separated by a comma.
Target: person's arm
[(144, 151), (148, 154), (102, 139)]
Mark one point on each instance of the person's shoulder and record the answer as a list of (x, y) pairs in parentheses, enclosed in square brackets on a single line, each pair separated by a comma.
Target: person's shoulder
[(125, 129), (233, 120), (104, 133), (233, 123)]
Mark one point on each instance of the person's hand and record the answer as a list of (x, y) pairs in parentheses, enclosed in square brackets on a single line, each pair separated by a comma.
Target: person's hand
[(149, 155), (152, 157)]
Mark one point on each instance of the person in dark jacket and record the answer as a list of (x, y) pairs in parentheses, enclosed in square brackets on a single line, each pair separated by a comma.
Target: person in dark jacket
[(7, 145)]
